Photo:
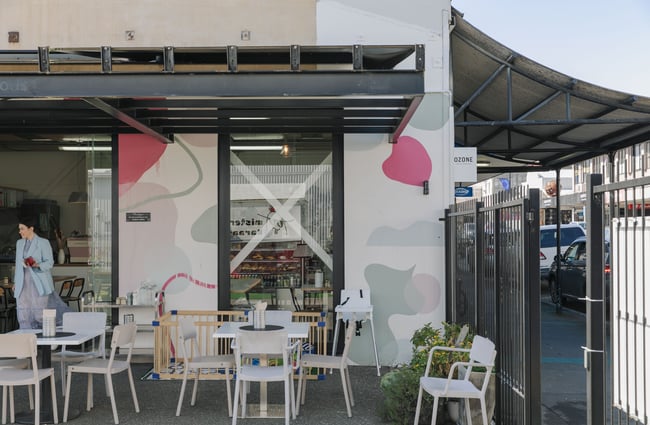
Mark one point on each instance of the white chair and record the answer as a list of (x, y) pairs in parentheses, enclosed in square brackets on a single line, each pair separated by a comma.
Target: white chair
[(20, 364), (187, 338), (355, 306), (482, 354), (80, 321), (329, 362), (20, 346), (123, 337), (273, 344)]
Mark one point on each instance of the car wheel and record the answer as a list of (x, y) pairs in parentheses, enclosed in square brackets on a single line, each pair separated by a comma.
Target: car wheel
[(556, 292)]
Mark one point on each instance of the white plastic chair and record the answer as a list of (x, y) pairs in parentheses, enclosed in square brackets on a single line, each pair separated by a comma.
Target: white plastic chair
[(20, 346), (80, 321), (482, 354), (20, 364), (355, 306), (273, 344), (123, 337), (187, 338), (329, 362)]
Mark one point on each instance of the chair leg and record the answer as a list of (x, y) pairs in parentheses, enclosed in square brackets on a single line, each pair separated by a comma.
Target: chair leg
[(30, 394), (347, 379), (345, 393), (195, 388), (235, 407), (4, 404), (182, 394), (67, 396), (417, 407), (434, 414), (287, 401), (55, 408), (228, 392), (111, 394), (483, 411), (90, 396), (133, 393), (468, 413), (12, 411), (37, 404), (299, 393)]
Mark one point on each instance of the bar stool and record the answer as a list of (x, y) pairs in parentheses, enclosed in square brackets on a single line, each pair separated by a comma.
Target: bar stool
[(355, 306)]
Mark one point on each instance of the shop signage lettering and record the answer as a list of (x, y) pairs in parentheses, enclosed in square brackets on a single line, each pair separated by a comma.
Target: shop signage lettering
[(248, 221)]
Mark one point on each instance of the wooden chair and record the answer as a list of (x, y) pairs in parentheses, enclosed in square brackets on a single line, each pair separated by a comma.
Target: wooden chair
[(482, 354), (309, 361), (66, 287), (123, 338), (75, 292), (21, 346), (187, 336)]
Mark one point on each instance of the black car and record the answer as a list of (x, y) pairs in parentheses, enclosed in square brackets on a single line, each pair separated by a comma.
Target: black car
[(573, 272)]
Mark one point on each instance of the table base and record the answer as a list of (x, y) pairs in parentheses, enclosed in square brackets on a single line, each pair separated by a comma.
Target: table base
[(27, 417), (272, 411)]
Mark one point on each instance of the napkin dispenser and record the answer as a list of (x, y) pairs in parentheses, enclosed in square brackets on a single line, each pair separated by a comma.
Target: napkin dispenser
[(49, 323), (259, 316)]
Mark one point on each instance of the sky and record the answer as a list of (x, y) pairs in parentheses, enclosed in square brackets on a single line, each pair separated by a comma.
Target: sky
[(600, 42)]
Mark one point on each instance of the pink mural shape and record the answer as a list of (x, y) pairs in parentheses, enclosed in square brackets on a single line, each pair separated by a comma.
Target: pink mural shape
[(408, 163), (137, 153)]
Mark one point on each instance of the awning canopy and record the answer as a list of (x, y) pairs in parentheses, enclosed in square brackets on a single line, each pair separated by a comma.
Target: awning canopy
[(522, 116), (49, 96)]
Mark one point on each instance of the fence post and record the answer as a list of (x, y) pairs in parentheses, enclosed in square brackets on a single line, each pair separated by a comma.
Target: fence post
[(595, 302)]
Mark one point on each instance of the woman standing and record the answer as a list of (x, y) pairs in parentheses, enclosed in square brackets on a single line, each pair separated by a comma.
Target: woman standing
[(34, 287)]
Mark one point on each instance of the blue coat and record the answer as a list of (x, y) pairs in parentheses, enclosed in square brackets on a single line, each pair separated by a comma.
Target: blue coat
[(41, 250)]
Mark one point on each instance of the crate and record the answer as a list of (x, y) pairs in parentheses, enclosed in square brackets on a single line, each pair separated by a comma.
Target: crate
[(168, 363)]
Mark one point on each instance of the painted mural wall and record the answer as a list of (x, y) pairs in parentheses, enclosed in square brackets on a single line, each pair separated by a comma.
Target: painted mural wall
[(175, 186), (394, 239), (394, 242)]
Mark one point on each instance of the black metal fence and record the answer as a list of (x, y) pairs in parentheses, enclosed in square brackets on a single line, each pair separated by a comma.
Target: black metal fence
[(492, 283)]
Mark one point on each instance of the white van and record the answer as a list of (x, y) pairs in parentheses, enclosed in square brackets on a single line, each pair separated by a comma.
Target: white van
[(548, 243)]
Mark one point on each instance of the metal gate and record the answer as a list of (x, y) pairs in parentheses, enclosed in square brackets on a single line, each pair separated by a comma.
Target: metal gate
[(618, 215), (492, 283)]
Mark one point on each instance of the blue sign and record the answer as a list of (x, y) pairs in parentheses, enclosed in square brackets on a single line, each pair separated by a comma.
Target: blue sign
[(464, 192)]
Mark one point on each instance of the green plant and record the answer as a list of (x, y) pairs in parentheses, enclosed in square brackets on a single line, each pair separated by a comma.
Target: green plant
[(400, 386)]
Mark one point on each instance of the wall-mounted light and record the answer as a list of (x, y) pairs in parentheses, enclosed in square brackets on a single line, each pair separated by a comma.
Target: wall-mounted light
[(482, 163), (85, 148), (256, 148), (285, 151)]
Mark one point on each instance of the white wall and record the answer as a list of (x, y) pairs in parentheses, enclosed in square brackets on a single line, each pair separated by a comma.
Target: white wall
[(393, 239)]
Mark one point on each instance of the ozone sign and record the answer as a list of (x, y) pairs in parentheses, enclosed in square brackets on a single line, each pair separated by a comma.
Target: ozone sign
[(463, 165)]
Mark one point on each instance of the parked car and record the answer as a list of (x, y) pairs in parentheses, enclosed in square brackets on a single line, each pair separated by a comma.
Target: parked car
[(573, 272), (548, 243)]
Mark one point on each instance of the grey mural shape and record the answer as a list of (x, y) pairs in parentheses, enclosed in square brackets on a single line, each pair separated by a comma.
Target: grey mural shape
[(390, 283), (204, 229), (420, 233), (433, 112)]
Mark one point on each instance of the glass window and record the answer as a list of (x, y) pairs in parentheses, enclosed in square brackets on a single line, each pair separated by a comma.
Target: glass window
[(280, 219)]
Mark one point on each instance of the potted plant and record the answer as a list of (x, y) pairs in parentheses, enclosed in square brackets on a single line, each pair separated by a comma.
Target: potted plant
[(401, 385)]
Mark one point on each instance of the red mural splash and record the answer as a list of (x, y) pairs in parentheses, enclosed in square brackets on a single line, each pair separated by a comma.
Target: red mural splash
[(137, 153), (190, 278), (408, 163)]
